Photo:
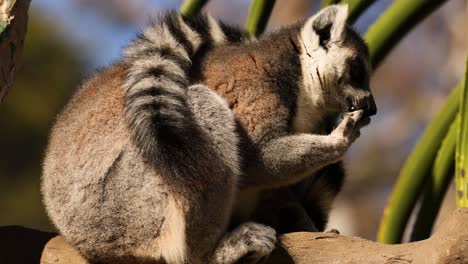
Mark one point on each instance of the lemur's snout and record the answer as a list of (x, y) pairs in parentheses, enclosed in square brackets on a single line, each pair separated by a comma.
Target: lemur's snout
[(371, 106), (365, 103)]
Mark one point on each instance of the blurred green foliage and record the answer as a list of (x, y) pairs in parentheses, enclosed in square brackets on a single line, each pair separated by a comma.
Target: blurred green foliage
[(461, 157), (47, 77), (191, 7), (259, 14)]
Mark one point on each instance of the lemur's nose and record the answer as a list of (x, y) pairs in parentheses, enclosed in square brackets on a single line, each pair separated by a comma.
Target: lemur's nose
[(367, 104), (364, 102), (370, 109)]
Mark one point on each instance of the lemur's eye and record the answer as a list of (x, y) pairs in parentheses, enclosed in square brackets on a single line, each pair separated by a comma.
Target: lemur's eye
[(357, 71)]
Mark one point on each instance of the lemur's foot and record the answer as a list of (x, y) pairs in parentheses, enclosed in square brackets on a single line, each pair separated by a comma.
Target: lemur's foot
[(258, 239), (248, 243), (334, 231)]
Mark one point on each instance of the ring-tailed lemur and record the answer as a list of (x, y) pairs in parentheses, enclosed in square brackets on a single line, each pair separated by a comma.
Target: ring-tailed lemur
[(286, 90), (144, 165)]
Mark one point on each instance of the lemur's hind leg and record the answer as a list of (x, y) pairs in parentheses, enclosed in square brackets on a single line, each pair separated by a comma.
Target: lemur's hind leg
[(282, 210), (250, 242), (317, 193)]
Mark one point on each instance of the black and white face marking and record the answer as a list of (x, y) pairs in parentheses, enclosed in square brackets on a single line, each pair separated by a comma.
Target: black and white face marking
[(354, 85), (357, 72), (335, 66)]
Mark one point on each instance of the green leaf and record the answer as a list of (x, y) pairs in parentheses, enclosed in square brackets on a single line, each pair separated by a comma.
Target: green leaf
[(394, 23), (415, 170), (436, 186), (192, 7), (461, 157), (3, 25), (259, 13), (326, 3), (356, 8)]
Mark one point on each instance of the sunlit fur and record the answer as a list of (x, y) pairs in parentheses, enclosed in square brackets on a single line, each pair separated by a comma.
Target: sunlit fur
[(143, 165), (287, 89), (147, 159), (324, 65)]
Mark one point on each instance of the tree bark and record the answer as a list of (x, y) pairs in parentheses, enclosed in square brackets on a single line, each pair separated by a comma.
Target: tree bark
[(13, 23), (448, 245)]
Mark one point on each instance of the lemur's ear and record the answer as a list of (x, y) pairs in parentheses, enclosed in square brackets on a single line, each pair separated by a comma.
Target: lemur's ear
[(325, 26)]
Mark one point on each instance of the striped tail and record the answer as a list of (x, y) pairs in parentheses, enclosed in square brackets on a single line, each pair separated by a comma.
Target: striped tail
[(160, 61)]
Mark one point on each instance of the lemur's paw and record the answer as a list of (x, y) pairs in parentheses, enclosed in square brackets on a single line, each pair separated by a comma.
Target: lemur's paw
[(258, 239), (348, 130)]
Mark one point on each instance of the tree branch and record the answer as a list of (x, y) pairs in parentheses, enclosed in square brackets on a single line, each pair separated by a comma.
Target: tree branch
[(13, 22), (448, 245)]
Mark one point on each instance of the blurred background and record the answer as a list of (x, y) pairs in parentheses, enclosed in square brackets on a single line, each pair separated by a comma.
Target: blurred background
[(68, 40)]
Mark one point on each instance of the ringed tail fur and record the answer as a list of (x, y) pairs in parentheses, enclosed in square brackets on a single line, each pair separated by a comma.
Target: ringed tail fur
[(160, 60)]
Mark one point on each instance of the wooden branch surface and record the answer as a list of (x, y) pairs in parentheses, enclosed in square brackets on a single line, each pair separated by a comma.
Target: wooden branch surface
[(448, 245), (11, 44)]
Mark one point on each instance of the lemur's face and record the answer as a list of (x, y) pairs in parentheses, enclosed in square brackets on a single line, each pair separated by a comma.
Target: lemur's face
[(335, 63), (349, 72)]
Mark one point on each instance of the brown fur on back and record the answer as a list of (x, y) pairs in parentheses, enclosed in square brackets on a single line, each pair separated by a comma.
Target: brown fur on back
[(142, 165), (249, 78)]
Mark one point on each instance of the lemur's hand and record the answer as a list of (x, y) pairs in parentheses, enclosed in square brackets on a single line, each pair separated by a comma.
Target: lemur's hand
[(348, 130)]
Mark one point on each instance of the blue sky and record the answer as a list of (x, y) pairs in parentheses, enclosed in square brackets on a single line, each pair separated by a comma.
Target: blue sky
[(102, 38)]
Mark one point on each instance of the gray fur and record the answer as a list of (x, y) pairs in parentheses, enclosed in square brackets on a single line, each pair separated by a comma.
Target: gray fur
[(155, 87), (289, 159), (287, 90), (143, 165)]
